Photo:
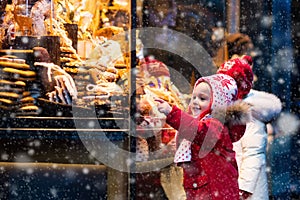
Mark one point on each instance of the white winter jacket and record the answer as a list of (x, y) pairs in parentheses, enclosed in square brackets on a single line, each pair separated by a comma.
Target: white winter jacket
[(251, 148)]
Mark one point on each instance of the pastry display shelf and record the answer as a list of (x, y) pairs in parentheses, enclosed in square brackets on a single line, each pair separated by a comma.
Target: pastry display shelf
[(63, 127), (58, 138), (54, 146)]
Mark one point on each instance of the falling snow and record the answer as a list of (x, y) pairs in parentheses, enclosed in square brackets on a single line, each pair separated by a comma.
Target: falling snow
[(50, 157)]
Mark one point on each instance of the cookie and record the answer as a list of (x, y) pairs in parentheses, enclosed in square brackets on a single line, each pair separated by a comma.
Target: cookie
[(23, 73), (28, 110), (8, 104), (10, 95), (67, 50), (26, 94), (13, 83), (16, 65), (27, 99), (76, 70), (8, 57), (6, 101), (69, 55), (13, 59)]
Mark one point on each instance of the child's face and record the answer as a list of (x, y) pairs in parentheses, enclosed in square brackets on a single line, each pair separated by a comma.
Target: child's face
[(200, 101)]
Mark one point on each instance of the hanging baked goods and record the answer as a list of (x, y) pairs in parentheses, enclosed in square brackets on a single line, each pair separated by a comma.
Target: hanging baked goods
[(40, 11)]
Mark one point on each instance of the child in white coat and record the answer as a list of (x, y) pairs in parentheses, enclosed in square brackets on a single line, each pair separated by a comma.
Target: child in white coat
[(251, 148)]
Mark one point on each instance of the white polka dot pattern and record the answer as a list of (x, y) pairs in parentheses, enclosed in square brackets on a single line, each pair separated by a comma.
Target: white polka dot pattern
[(142, 150), (183, 153)]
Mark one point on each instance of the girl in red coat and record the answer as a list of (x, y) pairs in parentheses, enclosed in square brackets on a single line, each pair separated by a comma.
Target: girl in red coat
[(205, 136)]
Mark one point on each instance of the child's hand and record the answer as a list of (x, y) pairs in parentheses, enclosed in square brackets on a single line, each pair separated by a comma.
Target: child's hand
[(163, 106)]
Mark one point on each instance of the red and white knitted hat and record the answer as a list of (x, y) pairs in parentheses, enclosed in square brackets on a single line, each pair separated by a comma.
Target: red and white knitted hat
[(240, 70), (224, 90)]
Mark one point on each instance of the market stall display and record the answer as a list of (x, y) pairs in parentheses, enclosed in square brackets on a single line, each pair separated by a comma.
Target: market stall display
[(73, 77), (75, 65)]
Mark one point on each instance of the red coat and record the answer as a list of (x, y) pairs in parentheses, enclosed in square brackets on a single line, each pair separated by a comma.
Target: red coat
[(213, 174)]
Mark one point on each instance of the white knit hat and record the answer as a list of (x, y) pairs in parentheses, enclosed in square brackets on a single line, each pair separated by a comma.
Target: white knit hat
[(224, 90)]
